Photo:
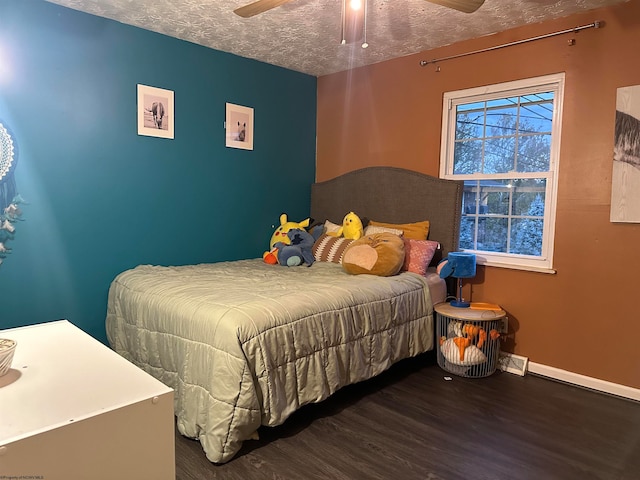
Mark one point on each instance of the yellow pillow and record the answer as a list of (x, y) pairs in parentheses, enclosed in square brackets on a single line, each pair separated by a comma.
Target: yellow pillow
[(415, 231)]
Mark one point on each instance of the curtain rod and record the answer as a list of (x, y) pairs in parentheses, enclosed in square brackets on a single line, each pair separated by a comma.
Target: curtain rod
[(540, 37)]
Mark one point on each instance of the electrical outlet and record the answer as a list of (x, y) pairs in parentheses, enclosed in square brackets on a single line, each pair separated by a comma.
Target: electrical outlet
[(504, 328)]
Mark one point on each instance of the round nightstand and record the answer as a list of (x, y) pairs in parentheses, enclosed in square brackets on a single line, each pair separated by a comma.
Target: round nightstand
[(468, 340)]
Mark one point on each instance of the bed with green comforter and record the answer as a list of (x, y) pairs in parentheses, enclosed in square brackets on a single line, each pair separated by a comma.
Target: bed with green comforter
[(245, 344)]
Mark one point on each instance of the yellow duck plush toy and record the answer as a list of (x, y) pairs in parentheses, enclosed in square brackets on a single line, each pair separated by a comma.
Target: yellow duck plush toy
[(351, 227)]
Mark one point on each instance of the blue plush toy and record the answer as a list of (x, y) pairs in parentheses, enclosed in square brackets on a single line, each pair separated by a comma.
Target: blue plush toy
[(299, 251)]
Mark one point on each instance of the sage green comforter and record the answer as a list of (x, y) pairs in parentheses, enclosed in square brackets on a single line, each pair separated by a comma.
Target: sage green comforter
[(245, 344)]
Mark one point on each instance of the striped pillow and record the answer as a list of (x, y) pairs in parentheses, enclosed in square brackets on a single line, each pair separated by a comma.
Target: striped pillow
[(330, 249)]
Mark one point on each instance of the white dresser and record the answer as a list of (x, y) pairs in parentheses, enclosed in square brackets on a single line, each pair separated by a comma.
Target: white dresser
[(71, 408)]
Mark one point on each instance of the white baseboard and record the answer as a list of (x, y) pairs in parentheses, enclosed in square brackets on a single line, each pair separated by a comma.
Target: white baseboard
[(584, 381)]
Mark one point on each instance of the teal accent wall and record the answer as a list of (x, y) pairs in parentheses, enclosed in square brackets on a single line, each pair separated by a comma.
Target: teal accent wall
[(103, 199)]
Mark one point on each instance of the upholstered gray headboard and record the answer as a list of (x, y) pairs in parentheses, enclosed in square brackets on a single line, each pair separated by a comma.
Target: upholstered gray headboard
[(393, 195)]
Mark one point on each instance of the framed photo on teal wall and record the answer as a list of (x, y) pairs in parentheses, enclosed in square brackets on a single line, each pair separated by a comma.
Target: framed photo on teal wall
[(155, 112), (239, 127)]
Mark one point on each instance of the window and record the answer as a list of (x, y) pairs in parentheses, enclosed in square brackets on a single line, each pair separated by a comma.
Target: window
[(503, 141)]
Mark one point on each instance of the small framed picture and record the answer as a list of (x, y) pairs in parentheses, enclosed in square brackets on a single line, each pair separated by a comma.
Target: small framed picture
[(155, 112), (239, 127)]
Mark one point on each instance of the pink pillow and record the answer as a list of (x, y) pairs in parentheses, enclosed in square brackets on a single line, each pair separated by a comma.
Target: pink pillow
[(418, 255)]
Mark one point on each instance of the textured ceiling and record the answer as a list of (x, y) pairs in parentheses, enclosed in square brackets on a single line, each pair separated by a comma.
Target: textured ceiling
[(304, 35)]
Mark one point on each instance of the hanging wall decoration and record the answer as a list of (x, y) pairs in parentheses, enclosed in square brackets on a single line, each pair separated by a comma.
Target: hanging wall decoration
[(155, 112), (625, 188), (10, 199), (239, 127)]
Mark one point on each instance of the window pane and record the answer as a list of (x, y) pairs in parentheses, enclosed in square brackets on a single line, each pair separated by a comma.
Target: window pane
[(467, 157), (494, 197), (534, 153), (470, 106), (470, 125), (501, 102), (469, 194), (492, 234), (526, 237), (502, 121), (528, 197), (536, 118), (499, 155), (467, 233)]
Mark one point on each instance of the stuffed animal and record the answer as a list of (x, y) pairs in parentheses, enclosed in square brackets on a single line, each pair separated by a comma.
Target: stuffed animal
[(351, 227), (299, 249), (377, 254), (460, 351), (280, 235)]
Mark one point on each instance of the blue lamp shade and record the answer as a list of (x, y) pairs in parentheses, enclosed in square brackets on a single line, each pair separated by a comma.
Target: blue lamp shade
[(464, 264), (458, 265)]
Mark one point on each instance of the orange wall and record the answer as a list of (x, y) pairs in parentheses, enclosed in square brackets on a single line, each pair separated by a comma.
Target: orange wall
[(586, 318)]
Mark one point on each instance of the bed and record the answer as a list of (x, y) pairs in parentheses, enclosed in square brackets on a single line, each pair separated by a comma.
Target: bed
[(245, 344)]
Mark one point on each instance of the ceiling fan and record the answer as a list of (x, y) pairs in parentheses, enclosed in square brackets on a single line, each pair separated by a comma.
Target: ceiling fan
[(261, 6)]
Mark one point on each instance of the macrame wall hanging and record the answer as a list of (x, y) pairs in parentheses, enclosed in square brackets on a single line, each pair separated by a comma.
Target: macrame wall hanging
[(10, 199)]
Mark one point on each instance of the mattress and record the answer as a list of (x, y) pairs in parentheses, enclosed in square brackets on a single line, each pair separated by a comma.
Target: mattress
[(437, 286), (245, 344)]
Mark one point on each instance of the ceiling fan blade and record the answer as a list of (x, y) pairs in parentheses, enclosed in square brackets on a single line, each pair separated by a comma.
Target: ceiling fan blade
[(260, 6), (466, 6)]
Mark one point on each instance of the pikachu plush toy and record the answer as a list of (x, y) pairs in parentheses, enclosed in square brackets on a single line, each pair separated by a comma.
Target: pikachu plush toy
[(280, 235)]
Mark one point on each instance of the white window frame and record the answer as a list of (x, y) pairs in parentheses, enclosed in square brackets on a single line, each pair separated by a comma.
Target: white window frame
[(555, 83)]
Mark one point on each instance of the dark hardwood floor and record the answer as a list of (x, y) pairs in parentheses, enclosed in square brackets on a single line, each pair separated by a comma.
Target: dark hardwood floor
[(411, 423)]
